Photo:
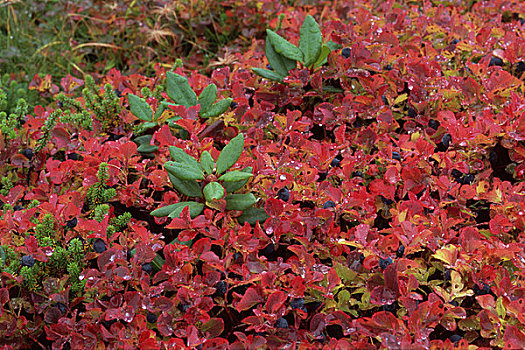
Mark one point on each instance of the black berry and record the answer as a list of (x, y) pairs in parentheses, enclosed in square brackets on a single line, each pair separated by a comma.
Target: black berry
[(237, 256), (357, 174), (297, 303), (336, 162), (268, 250), (485, 289), (455, 338), (99, 246), (446, 275), (147, 268), (118, 92), (388, 67), (400, 251), (346, 52), (385, 100), (73, 156), (445, 141), (383, 263), (283, 194), (27, 260), (412, 113), (183, 307), (233, 105), (396, 156), (454, 42), (329, 204), (281, 323), (390, 307), (434, 124), (28, 153), (269, 66), (467, 179), (61, 307), (72, 223), (18, 207), (322, 176), (151, 317), (221, 288), (495, 61), (456, 174), (386, 201)]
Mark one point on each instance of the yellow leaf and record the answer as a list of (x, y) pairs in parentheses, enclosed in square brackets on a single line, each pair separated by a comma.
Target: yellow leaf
[(400, 99), (457, 283), (447, 254)]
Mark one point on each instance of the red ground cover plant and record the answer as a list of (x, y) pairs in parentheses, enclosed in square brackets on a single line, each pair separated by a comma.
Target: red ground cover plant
[(389, 185)]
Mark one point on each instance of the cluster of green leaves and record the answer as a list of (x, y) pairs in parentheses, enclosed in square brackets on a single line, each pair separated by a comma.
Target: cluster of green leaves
[(185, 172), (63, 260), (119, 223), (179, 90), (106, 107), (13, 107), (10, 262), (48, 127), (283, 55), (98, 193)]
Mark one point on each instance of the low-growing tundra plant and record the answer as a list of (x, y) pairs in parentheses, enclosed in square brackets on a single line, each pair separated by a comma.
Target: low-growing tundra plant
[(209, 180)]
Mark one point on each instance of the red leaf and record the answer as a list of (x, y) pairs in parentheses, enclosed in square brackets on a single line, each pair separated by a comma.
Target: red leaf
[(250, 298), (128, 150), (317, 324), (144, 253), (333, 279), (275, 301), (514, 338), (14, 195), (273, 207), (214, 327)]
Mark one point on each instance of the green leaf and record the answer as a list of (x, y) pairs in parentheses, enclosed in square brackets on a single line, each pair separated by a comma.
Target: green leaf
[(187, 187), (195, 209), (328, 88), (207, 97), (2, 255), (252, 215), (147, 148), (157, 263), (268, 74), (207, 162), (144, 139), (160, 109), (164, 211), (240, 201), (310, 41), (178, 155), (284, 47), (235, 175), (179, 90), (184, 171), (322, 59), (333, 46), (236, 185), (140, 108), (279, 63), (212, 191), (217, 108), (230, 154)]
